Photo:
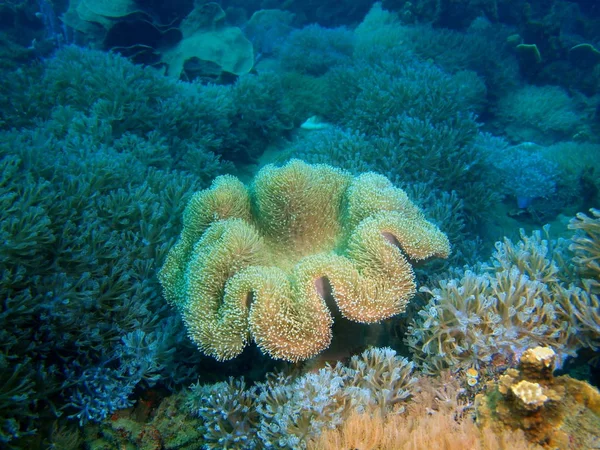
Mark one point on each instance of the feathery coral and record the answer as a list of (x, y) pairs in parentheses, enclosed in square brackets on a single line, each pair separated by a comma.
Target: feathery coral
[(586, 245), (519, 302), (259, 263), (586, 306)]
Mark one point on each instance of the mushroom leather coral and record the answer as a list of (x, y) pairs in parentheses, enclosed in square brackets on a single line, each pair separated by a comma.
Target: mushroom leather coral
[(259, 263)]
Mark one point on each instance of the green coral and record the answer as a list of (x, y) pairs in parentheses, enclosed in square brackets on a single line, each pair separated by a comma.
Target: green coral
[(542, 114), (88, 212), (257, 263)]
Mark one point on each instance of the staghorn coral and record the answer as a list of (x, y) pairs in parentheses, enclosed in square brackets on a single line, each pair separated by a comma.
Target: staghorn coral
[(556, 413), (257, 264)]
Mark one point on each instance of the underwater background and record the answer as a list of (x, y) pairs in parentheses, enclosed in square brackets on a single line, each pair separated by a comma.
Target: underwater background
[(299, 224)]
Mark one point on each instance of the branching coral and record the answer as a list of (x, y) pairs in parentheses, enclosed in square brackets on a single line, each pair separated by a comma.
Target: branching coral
[(518, 303), (258, 263), (586, 306), (83, 225), (384, 379), (404, 116), (281, 412), (229, 413), (542, 114), (524, 172), (294, 411), (437, 415), (314, 49), (192, 122), (586, 245), (291, 411)]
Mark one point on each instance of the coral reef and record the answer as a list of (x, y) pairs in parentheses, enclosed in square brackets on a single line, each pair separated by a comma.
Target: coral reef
[(586, 247), (228, 411), (258, 263), (175, 125), (348, 406), (81, 328), (314, 50), (542, 114), (416, 121), (524, 173), (284, 411), (207, 38), (438, 414), (520, 300), (554, 412), (91, 198), (415, 432), (99, 156), (150, 425)]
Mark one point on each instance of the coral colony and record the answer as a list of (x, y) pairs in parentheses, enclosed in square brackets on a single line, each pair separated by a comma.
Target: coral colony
[(299, 225)]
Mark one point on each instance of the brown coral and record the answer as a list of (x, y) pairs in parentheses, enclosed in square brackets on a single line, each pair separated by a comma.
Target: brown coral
[(436, 418), (557, 413)]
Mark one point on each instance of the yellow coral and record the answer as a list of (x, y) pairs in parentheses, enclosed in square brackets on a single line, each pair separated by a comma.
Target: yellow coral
[(543, 356), (261, 263), (530, 395)]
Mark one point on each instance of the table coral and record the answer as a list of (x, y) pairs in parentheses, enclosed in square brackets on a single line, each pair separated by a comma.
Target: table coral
[(260, 263)]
